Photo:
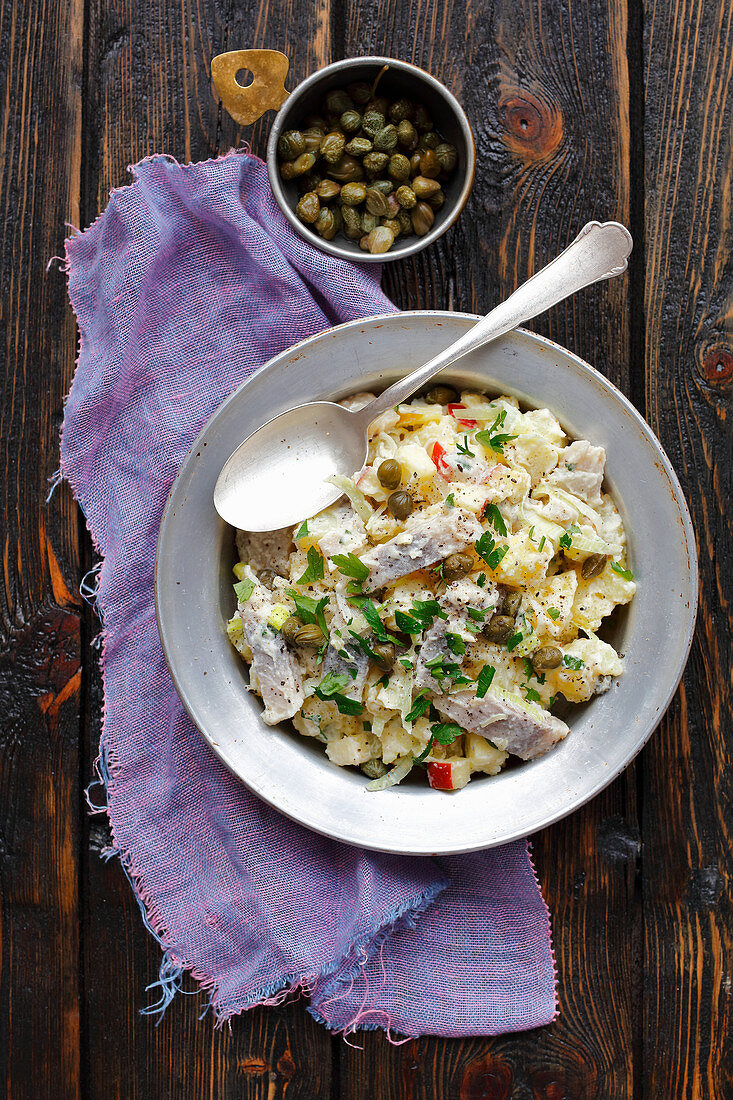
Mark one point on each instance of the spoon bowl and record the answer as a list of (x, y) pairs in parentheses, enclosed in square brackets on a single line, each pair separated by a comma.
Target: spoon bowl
[(279, 476)]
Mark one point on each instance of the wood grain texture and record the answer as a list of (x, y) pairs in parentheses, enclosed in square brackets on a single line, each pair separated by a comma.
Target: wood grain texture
[(40, 143), (545, 86), (148, 89), (688, 866)]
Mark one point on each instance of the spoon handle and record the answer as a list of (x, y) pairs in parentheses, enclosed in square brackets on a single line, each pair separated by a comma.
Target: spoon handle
[(600, 251)]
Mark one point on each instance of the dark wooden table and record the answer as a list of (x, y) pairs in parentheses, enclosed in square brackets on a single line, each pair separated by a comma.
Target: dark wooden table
[(581, 108)]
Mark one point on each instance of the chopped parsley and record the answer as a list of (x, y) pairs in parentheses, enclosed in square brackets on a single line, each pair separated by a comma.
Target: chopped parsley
[(531, 695), (331, 688), (496, 519), (445, 733), (483, 683), (371, 615), (425, 611), (456, 644), (450, 500), (367, 726), (565, 540), (308, 610), (364, 645), (514, 641), (302, 530), (481, 580), (464, 449), (406, 663), (543, 540), (351, 566), (487, 549), (244, 589), (475, 613), (573, 662), (442, 669), (618, 568), (529, 671), (491, 439), (406, 623), (314, 569), (420, 705), (553, 612)]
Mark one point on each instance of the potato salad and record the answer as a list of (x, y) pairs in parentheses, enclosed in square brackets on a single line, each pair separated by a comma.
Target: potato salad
[(430, 620)]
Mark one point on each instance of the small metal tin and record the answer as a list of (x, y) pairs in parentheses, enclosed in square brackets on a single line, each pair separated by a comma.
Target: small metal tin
[(400, 78)]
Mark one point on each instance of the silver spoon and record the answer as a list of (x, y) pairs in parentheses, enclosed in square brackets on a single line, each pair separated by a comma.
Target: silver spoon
[(277, 477)]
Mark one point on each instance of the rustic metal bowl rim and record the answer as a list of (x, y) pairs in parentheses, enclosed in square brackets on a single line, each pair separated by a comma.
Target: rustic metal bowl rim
[(398, 252), (193, 648)]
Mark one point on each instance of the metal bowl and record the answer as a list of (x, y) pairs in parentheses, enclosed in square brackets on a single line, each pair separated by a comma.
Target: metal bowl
[(400, 79), (194, 595)]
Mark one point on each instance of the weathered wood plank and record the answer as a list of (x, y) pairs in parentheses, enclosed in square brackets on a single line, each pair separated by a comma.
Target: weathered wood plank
[(545, 87), (148, 90), (688, 867), (40, 144)]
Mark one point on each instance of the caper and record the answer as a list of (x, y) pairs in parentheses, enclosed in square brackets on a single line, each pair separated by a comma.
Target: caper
[(327, 223), (407, 135), (456, 566), (266, 577), (352, 194), (385, 186), (374, 163), (291, 144), (372, 122), (338, 101), (424, 187), (422, 219), (359, 147), (360, 92), (303, 163), (380, 240), (441, 395), (346, 170), (436, 200), (350, 121), (394, 206), (289, 629), (422, 120), (287, 170), (332, 147), (406, 197), (499, 628), (593, 565), (327, 190), (512, 600), (548, 656), (308, 207), (373, 769), (308, 182), (447, 155), (385, 140), (378, 103), (309, 636), (431, 140), (401, 109), (376, 203), (393, 224), (415, 164), (399, 167), (429, 164), (364, 242), (313, 139), (368, 221), (389, 473), (352, 222), (400, 504), (384, 654), (403, 217)]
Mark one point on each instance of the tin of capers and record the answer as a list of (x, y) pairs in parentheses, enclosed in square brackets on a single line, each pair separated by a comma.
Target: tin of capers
[(348, 147)]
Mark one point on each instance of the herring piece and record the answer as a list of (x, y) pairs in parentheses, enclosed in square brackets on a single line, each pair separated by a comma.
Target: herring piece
[(455, 601), (355, 664), (347, 536), (428, 537), (524, 731), (266, 549), (275, 671), (580, 471)]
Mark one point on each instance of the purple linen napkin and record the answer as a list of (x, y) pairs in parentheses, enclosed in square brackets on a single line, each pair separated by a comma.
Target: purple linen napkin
[(190, 280)]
